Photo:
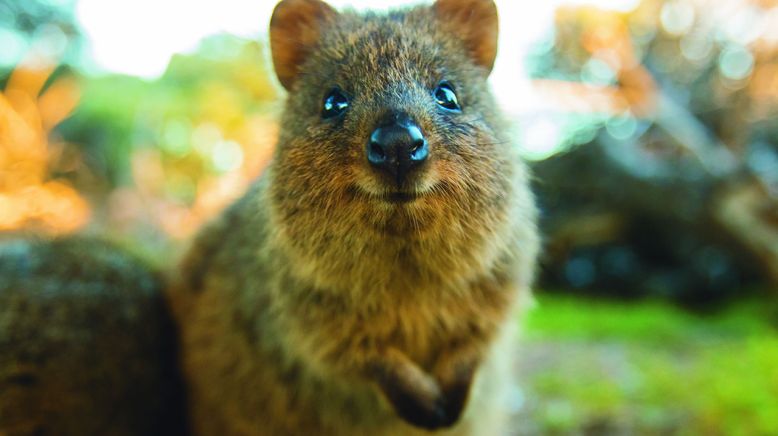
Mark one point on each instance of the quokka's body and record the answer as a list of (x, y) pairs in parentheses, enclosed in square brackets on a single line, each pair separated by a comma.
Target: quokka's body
[(87, 343), (366, 283)]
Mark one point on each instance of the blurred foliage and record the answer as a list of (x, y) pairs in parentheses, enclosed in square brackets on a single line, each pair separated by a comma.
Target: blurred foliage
[(161, 156), (667, 120), (598, 367), (223, 84), (34, 160), (718, 59), (155, 158), (39, 26), (38, 44)]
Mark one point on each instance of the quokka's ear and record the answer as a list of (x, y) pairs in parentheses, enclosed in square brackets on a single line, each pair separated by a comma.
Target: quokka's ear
[(294, 29), (475, 23)]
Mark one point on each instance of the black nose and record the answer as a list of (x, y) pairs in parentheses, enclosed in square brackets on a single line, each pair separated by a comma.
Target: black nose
[(397, 146)]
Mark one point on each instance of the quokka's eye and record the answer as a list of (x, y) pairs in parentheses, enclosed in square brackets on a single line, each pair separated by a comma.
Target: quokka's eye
[(446, 97), (335, 103)]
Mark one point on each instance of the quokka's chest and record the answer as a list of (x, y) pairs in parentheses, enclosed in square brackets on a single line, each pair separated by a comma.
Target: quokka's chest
[(422, 326)]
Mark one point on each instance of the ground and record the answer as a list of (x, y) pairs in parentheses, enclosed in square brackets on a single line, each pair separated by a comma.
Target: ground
[(601, 368)]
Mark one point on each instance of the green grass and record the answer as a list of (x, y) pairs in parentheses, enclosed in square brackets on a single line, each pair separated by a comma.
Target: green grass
[(651, 321), (649, 367)]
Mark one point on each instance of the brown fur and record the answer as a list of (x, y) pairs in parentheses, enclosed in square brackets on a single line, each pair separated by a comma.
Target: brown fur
[(86, 343), (315, 306)]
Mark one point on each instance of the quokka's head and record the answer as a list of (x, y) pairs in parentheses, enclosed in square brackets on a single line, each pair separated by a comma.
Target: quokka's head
[(389, 113)]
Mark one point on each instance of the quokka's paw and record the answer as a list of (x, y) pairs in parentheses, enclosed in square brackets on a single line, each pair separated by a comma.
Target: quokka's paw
[(455, 378), (415, 396), (424, 411), (426, 400)]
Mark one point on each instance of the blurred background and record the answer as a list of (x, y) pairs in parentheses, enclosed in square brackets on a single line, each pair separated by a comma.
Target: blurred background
[(650, 125)]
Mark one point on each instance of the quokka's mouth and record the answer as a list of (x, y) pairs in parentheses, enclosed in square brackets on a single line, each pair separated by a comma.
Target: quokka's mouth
[(391, 197), (401, 197)]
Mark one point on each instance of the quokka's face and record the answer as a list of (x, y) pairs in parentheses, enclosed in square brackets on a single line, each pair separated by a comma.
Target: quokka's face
[(390, 110)]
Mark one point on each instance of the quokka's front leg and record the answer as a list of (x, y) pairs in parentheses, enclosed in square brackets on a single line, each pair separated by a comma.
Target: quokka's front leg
[(454, 371), (430, 401), (413, 393)]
